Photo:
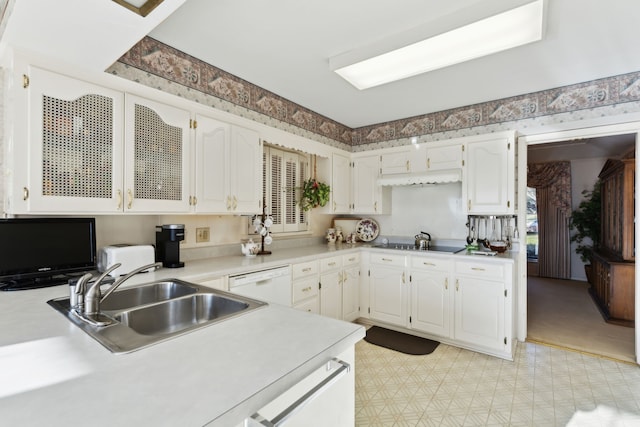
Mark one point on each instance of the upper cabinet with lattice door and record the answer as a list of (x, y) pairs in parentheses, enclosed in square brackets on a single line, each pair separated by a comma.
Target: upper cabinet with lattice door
[(69, 152), (156, 157)]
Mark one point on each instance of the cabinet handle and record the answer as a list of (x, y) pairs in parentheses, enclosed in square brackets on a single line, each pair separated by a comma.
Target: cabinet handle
[(403, 277), (469, 204), (478, 268), (375, 206), (429, 263), (457, 285), (351, 259), (307, 289), (446, 283), (428, 163), (334, 205), (408, 165), (25, 193), (235, 203), (387, 259), (332, 263), (280, 419), (304, 270), (25, 81), (228, 203), (119, 199), (130, 195)]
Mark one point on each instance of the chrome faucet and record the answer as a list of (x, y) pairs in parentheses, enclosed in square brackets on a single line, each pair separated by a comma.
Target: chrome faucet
[(93, 297)]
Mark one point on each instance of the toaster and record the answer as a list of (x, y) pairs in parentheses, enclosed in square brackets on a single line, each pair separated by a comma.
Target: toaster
[(129, 256)]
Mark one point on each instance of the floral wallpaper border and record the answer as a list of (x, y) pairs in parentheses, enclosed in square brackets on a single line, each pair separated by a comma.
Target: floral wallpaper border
[(158, 59)]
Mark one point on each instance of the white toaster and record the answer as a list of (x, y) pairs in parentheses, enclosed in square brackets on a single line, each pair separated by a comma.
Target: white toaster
[(129, 256)]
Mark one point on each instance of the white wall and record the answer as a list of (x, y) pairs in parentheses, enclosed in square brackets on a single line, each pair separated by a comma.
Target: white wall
[(584, 173), (435, 209)]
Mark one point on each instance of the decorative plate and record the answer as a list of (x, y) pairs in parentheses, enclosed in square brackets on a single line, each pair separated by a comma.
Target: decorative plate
[(367, 229)]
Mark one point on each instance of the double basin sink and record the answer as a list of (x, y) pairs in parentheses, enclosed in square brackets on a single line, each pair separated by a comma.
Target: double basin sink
[(146, 314)]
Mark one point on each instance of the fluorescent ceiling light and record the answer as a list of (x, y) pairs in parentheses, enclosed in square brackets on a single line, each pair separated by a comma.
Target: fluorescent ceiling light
[(500, 32)]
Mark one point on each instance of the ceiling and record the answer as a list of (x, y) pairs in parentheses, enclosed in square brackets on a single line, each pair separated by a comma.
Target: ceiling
[(285, 46), (613, 147)]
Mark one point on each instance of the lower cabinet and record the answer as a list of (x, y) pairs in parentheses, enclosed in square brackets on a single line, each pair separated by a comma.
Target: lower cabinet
[(324, 398), (483, 304), (388, 289), (340, 286), (456, 299), (430, 295)]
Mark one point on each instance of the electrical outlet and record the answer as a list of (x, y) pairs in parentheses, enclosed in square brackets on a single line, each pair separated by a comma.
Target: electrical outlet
[(202, 234)]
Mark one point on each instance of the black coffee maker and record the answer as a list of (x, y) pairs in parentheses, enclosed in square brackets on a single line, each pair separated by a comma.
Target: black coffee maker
[(168, 238)]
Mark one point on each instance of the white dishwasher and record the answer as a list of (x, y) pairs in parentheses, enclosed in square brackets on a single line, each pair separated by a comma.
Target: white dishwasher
[(272, 285)]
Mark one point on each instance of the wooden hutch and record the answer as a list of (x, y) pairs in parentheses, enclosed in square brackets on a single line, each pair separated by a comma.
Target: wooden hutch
[(613, 287)]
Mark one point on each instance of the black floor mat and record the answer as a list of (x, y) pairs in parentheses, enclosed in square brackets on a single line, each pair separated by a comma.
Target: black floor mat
[(398, 341)]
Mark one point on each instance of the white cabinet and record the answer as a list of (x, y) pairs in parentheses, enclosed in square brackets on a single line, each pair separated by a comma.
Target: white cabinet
[(95, 150), (483, 306), (351, 287), (489, 179), (156, 158), (388, 288), (330, 287), (431, 295), (340, 286), (305, 283), (368, 196), (340, 184), (228, 171), (324, 398), (396, 161), (444, 157), (66, 146)]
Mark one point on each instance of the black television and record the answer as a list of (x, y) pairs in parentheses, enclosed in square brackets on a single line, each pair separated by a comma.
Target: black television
[(41, 252)]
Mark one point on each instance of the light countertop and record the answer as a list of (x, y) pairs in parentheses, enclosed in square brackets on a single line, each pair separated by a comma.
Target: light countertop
[(53, 373)]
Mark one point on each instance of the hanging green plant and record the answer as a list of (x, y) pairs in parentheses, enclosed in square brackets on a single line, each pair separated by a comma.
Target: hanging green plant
[(314, 194)]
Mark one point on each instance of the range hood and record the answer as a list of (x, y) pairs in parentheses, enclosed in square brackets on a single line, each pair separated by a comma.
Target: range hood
[(436, 177)]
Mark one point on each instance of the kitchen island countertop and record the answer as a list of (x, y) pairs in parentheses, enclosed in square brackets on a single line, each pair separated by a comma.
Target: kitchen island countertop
[(53, 373)]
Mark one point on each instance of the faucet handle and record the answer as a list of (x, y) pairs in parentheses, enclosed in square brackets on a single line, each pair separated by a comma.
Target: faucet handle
[(77, 291)]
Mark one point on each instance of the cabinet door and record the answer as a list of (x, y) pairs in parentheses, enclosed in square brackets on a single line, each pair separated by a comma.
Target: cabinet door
[(351, 293), (388, 294), (74, 154), (157, 153), (480, 312), (490, 177), (211, 174), (366, 192), (396, 162), (340, 184), (446, 157), (430, 302), (331, 294), (245, 173)]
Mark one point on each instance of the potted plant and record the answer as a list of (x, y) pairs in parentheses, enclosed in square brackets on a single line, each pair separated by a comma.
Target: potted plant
[(585, 220), (314, 194)]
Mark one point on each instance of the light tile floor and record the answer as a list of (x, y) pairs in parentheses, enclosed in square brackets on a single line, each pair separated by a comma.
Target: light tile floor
[(543, 386)]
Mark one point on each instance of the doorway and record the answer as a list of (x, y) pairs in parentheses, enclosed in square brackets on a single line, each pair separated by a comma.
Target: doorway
[(560, 311)]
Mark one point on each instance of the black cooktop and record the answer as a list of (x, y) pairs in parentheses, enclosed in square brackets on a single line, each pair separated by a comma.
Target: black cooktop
[(412, 247)]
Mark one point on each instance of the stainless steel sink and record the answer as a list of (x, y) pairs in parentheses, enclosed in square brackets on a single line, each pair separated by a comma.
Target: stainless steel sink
[(147, 294), (180, 314), (154, 312)]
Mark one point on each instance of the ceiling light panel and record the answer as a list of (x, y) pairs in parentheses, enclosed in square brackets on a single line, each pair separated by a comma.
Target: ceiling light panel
[(497, 33)]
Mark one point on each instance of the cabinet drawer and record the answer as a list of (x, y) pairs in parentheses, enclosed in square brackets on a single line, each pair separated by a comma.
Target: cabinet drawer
[(426, 263), (310, 306), (304, 288), (386, 259), (350, 259), (304, 269), (480, 269), (331, 263)]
